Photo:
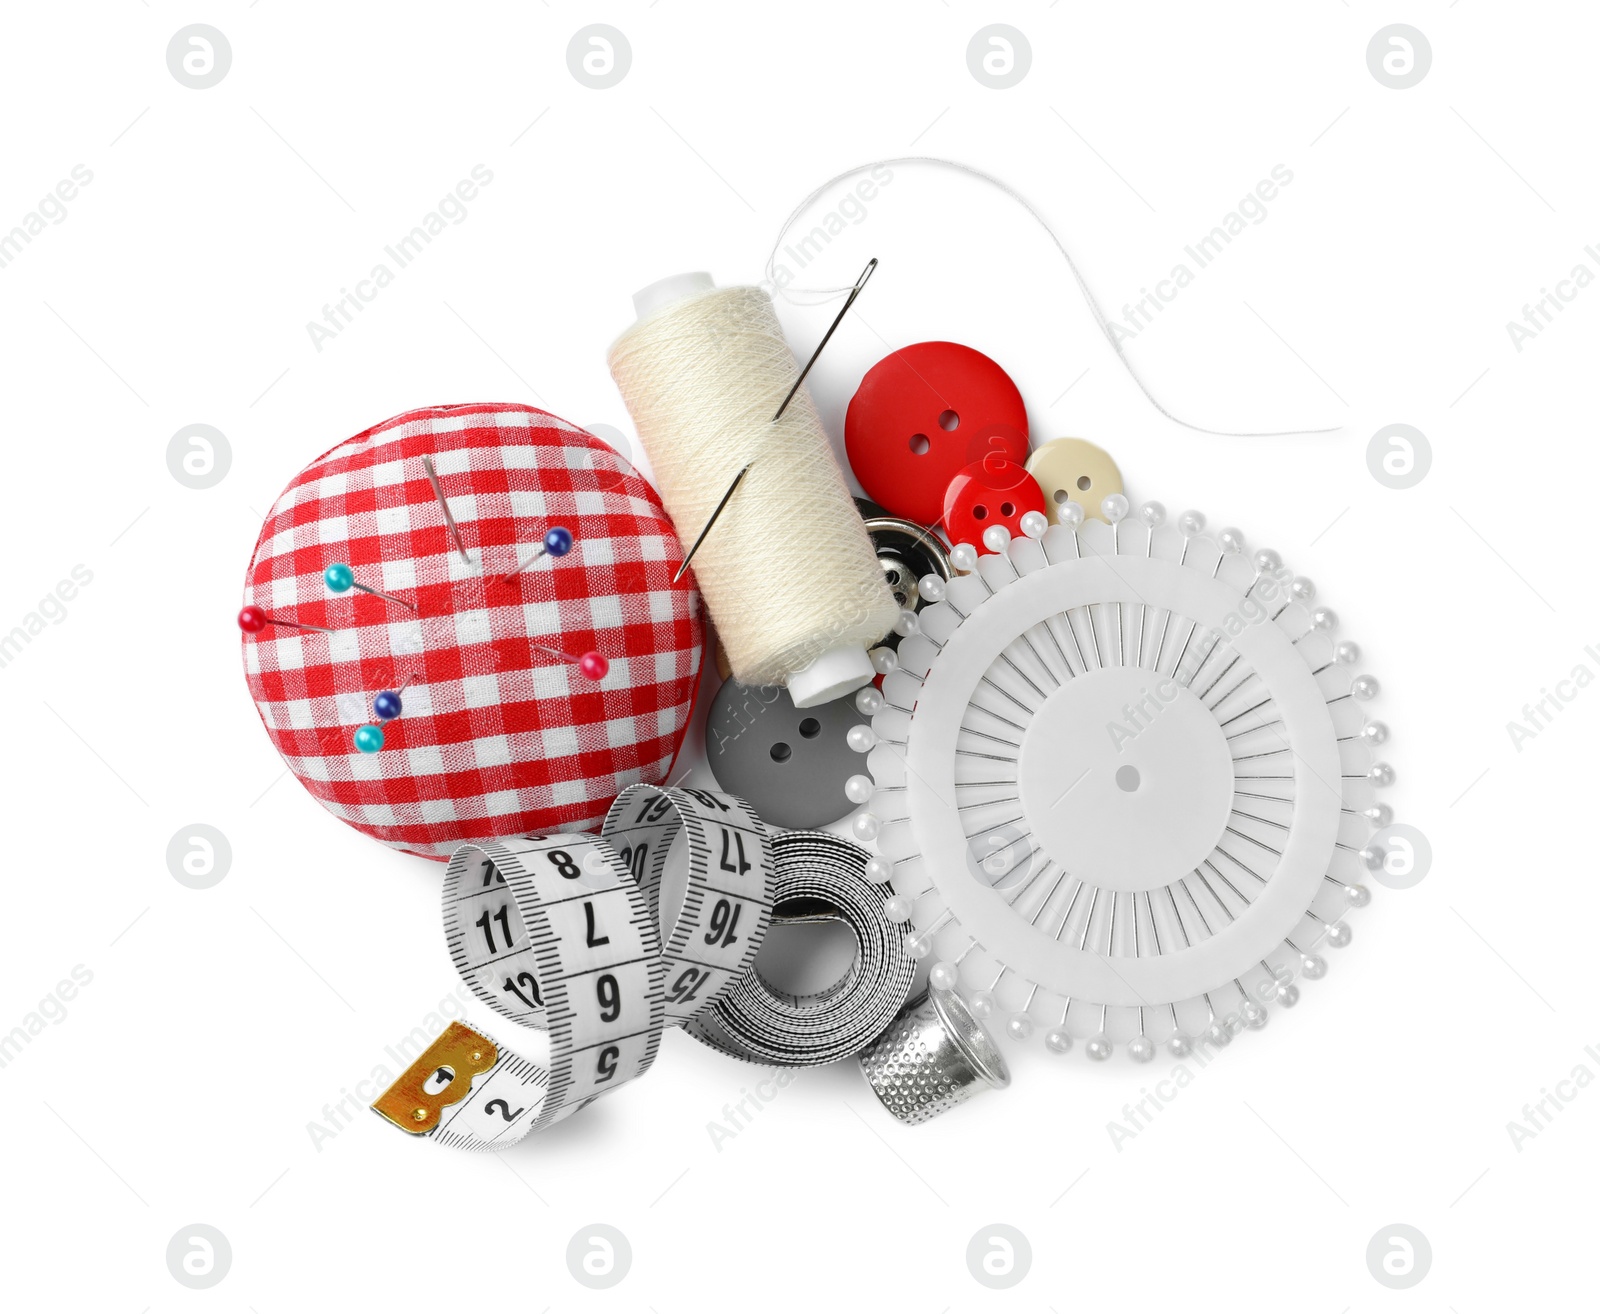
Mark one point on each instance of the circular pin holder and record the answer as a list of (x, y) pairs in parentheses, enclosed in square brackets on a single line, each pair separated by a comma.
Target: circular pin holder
[(1124, 782)]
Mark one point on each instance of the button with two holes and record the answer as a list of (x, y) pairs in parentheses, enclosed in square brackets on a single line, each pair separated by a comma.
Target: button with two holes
[(923, 413), (788, 763), (1074, 470)]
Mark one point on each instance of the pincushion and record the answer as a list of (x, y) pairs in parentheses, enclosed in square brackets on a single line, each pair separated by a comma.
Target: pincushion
[(499, 734)]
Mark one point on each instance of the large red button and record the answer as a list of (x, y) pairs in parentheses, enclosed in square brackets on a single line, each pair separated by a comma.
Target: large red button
[(993, 491), (924, 413)]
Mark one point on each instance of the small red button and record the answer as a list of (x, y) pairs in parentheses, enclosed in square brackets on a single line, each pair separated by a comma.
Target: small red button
[(993, 491), (924, 413)]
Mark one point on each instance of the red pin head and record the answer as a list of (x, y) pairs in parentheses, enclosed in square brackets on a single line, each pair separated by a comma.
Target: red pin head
[(252, 620), (592, 665)]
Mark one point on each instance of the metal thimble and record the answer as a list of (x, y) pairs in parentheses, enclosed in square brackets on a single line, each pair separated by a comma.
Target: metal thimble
[(933, 1057)]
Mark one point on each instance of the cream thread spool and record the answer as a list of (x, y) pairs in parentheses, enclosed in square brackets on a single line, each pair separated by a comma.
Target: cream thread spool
[(789, 573)]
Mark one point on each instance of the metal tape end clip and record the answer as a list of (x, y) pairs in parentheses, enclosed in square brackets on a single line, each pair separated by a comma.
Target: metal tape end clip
[(442, 1075)]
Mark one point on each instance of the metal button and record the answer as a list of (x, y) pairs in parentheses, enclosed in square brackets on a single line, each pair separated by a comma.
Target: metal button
[(902, 582), (907, 552)]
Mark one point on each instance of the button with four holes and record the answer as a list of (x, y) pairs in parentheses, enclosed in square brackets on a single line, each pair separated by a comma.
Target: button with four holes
[(790, 764), (993, 491), (1073, 470), (924, 413)]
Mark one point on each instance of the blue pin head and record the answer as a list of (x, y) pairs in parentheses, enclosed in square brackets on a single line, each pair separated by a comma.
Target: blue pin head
[(339, 577), (558, 541), (386, 705)]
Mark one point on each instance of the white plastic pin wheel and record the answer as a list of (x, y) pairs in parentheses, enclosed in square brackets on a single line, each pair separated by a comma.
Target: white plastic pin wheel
[(1123, 783)]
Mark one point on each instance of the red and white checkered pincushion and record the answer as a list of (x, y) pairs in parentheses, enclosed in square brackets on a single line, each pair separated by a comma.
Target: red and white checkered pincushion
[(496, 737)]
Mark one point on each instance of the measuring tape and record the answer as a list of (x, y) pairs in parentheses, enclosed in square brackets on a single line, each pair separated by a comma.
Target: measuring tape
[(563, 934), (818, 878), (718, 915)]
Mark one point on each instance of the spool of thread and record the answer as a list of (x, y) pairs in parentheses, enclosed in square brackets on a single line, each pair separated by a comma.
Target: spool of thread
[(788, 573)]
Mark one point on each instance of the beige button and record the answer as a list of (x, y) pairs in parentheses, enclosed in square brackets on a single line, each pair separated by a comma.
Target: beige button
[(1075, 470)]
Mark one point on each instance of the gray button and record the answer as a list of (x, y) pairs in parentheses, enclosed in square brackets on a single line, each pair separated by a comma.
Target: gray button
[(789, 764)]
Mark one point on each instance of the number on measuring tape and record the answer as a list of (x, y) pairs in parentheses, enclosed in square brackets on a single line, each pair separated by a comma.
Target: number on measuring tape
[(655, 807), (741, 864), (633, 858), (610, 996), (525, 988), (485, 923), (724, 918), (505, 1110), (687, 986)]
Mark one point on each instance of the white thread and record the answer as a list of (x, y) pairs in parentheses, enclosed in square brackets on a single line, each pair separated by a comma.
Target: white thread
[(788, 572), (1100, 319)]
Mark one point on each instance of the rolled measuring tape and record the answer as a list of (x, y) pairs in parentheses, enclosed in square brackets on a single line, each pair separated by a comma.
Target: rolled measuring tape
[(561, 934), (818, 878)]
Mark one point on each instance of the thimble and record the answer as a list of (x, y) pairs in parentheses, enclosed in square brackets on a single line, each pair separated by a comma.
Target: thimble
[(935, 1056)]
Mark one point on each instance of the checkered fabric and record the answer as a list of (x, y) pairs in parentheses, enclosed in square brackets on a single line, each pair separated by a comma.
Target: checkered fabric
[(496, 737)]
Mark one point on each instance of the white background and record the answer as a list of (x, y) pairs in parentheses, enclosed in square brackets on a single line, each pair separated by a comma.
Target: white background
[(181, 1082)]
